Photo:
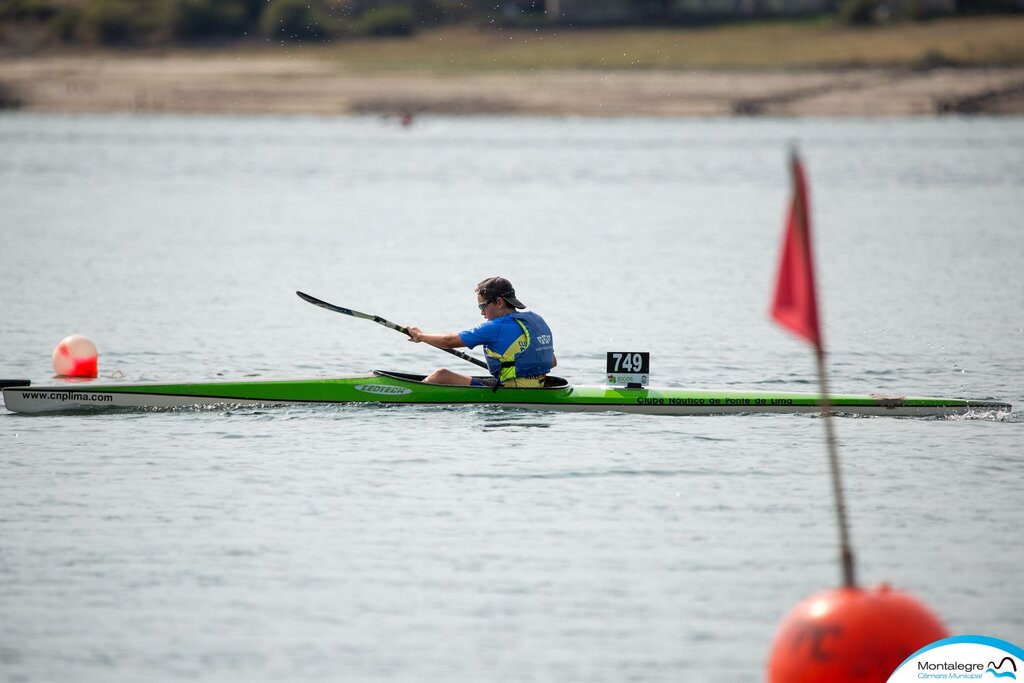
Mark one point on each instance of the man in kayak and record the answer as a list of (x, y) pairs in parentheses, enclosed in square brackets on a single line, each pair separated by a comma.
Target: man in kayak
[(517, 344)]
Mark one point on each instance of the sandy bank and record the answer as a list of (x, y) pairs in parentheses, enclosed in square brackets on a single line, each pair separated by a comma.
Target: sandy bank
[(279, 85)]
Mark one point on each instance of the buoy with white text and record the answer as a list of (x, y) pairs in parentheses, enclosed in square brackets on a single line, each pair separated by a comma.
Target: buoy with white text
[(845, 634), (75, 356)]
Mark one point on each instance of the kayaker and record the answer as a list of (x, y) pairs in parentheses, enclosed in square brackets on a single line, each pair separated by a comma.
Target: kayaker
[(517, 344)]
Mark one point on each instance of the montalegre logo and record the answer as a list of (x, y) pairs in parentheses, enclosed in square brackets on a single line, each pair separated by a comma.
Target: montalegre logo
[(963, 658)]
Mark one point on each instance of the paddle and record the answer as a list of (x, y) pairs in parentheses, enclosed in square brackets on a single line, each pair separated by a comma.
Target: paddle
[(381, 321)]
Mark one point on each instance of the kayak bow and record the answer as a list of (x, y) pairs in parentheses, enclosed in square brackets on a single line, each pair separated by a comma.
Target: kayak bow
[(402, 388)]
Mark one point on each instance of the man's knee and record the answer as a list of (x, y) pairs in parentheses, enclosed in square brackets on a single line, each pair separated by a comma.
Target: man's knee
[(445, 376), (437, 376)]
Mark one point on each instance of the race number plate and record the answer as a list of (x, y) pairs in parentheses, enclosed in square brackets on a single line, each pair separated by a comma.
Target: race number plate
[(628, 367)]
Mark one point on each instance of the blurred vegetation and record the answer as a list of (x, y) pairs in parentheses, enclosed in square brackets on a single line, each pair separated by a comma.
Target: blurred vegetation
[(164, 22), (296, 20), (810, 43), (112, 22), (882, 12), (156, 22), (200, 19), (8, 97), (388, 20), (858, 12)]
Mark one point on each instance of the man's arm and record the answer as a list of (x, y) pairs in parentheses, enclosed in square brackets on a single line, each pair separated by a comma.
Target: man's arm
[(442, 341)]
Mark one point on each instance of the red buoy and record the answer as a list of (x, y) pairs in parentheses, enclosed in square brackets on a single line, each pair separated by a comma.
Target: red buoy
[(75, 356), (851, 634)]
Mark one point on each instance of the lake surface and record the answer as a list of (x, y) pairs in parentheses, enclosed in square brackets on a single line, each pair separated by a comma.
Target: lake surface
[(477, 544)]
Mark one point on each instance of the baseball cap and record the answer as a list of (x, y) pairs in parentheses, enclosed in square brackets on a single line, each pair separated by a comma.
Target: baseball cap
[(493, 287)]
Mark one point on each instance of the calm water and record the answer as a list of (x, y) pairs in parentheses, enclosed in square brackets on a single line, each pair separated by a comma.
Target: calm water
[(411, 544)]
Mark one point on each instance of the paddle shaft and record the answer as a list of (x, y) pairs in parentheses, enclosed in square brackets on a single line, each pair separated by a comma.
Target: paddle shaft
[(382, 321)]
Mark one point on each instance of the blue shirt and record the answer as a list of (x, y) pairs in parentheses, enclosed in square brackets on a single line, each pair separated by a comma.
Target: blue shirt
[(497, 334), (501, 334)]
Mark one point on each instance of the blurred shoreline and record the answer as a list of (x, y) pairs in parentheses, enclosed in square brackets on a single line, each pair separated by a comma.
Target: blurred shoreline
[(955, 65), (290, 85)]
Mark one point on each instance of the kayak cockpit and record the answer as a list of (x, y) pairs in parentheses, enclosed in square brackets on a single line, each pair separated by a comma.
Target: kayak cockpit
[(549, 381)]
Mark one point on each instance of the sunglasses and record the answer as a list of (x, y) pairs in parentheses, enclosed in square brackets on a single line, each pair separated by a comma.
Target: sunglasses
[(487, 303)]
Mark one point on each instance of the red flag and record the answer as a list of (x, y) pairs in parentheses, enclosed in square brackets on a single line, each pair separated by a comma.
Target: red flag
[(795, 305)]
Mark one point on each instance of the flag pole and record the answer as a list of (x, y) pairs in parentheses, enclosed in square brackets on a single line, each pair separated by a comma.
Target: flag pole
[(796, 307), (845, 547), (882, 626)]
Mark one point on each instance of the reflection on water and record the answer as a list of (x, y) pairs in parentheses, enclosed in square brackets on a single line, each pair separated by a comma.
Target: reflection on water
[(575, 474), (498, 418)]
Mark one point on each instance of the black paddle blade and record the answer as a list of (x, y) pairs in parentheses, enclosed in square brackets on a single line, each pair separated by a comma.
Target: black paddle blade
[(381, 321), (323, 304)]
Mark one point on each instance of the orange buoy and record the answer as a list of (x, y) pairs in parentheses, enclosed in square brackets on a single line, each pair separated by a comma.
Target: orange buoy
[(851, 634), (75, 356)]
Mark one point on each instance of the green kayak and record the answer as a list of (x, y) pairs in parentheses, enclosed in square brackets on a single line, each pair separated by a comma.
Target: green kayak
[(393, 387)]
